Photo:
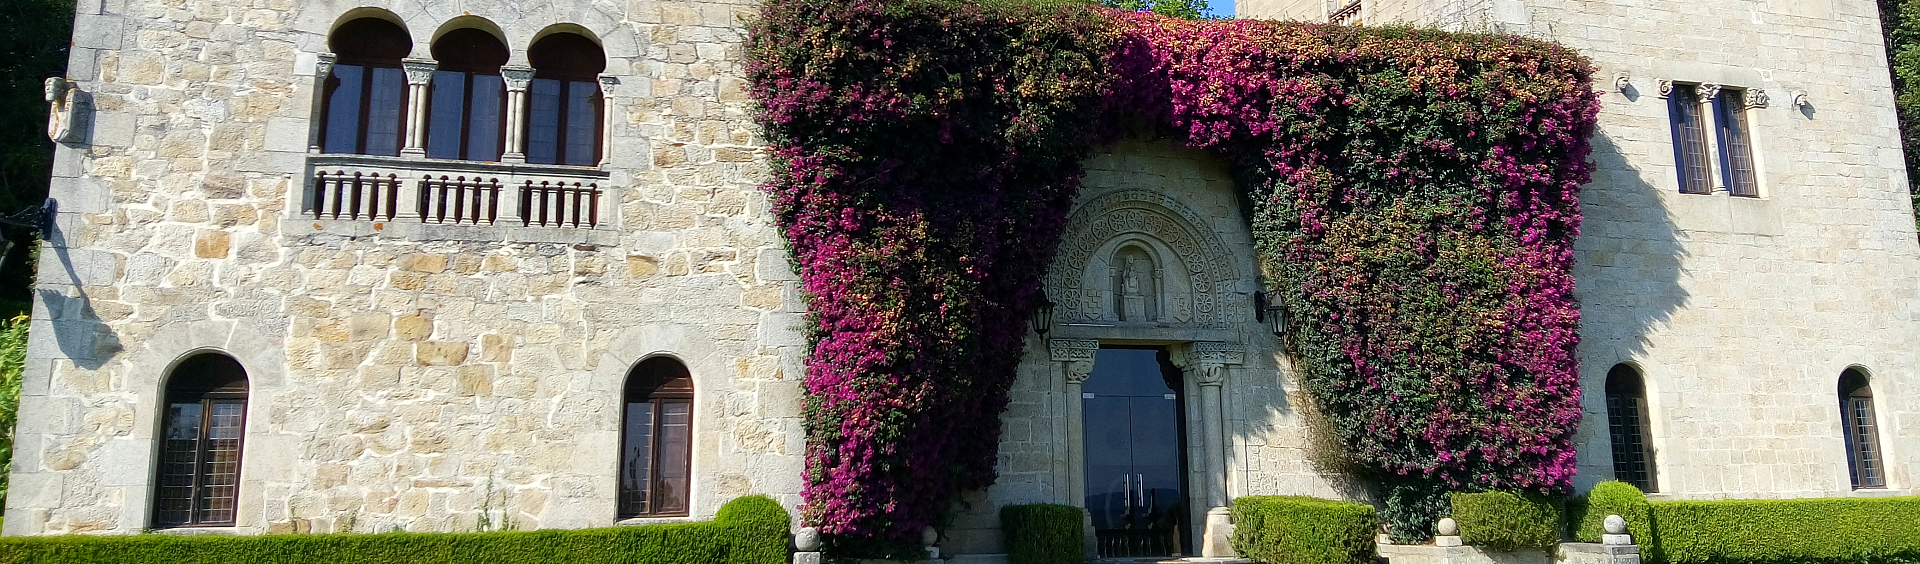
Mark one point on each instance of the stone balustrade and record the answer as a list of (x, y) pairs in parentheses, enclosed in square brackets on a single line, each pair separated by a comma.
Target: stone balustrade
[(419, 198)]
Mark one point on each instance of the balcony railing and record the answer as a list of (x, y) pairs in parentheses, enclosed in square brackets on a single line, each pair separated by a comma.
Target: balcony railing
[(1349, 14), (389, 189)]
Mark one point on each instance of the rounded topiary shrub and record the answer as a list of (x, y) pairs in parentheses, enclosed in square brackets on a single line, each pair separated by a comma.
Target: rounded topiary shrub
[(1507, 521), (1612, 497)]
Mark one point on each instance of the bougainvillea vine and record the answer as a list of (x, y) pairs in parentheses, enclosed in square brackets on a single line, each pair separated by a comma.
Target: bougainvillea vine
[(1415, 198)]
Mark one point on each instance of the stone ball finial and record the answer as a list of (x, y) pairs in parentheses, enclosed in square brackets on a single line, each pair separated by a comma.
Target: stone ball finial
[(1447, 527), (807, 540), (928, 536), (1615, 525)]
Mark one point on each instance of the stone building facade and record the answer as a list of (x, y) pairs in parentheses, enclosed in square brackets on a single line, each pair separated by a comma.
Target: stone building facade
[(461, 357)]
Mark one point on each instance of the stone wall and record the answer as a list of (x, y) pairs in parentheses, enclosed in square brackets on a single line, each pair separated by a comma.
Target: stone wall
[(1741, 312), (402, 375)]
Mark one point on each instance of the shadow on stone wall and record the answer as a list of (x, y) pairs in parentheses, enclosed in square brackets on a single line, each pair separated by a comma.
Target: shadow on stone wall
[(1628, 260), (77, 329)]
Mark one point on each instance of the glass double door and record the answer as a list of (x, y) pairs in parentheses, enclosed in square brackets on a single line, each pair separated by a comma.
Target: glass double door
[(1135, 475)]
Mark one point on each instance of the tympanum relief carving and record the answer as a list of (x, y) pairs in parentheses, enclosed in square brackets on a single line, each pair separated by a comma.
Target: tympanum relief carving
[(1138, 257)]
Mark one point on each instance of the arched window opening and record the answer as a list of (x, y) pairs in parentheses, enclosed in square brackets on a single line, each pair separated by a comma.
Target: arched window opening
[(364, 98), (565, 113), (466, 111), (1862, 435), (1627, 425), (200, 439), (656, 440)]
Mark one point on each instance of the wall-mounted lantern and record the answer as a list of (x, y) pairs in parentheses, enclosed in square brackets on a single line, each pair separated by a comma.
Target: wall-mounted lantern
[(1042, 319), (1270, 309)]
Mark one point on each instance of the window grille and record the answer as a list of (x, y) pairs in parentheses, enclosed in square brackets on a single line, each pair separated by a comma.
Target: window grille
[(656, 440), (1736, 146), (1861, 434), (1627, 426)]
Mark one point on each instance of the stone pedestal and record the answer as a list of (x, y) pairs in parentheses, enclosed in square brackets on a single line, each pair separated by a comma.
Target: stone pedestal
[(1590, 553)]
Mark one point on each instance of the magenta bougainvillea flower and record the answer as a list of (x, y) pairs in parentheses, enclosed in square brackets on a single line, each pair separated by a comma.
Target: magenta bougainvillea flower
[(1415, 198)]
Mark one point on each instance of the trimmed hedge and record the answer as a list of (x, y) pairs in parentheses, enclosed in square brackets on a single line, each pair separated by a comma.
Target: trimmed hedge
[(1588, 514), (749, 530), (1783, 531), (1507, 521), (1044, 533), (1304, 530)]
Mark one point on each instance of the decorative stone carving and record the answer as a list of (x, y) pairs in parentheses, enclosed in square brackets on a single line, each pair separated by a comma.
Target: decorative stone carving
[(1068, 350), (607, 84), (1191, 280), (1756, 98), (323, 65), (516, 77), (419, 71), (1615, 525), (1664, 86), (1078, 371), (1707, 92), (1215, 352), (1212, 374), (1800, 100), (807, 540), (66, 106), (1622, 83)]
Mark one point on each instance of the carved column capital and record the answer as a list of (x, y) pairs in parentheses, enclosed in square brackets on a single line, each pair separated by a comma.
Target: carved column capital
[(516, 77), (1078, 371), (1069, 350), (1664, 86), (323, 64), (1708, 91), (607, 83), (419, 71), (1212, 374), (1217, 352), (1756, 98)]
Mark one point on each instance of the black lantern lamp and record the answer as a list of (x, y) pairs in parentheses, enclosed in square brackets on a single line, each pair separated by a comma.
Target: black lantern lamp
[(1268, 308), (1042, 316)]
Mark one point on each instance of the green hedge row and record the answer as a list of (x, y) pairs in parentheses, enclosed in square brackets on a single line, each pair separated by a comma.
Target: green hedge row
[(1507, 521), (749, 530), (1786, 531), (1587, 514), (1304, 530), (1044, 533)]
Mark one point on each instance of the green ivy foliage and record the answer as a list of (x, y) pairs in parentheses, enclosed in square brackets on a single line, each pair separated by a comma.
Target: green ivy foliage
[(1787, 531), (1304, 529), (1044, 533), (1507, 521), (1900, 21), (752, 530), (13, 362)]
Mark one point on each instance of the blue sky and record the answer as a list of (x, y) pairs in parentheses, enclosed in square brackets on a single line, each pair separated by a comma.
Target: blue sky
[(1220, 8)]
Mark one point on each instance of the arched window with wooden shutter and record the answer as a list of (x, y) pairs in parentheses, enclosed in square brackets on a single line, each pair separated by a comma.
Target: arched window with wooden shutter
[(656, 439), (201, 434)]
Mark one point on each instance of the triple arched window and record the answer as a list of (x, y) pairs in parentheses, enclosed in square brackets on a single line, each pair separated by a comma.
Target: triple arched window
[(201, 432), (1861, 434), (1627, 426), (656, 439), (474, 108)]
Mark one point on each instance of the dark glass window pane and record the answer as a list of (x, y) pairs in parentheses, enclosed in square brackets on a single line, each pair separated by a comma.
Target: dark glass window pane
[(222, 472), (447, 114), (1627, 427), (1736, 148), (1862, 435), (583, 123), (387, 100), (179, 457), (1689, 140), (485, 120), (543, 121), (636, 459), (342, 129), (675, 440)]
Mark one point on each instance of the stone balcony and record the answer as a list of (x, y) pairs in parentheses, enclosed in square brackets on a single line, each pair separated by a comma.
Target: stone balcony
[(427, 199)]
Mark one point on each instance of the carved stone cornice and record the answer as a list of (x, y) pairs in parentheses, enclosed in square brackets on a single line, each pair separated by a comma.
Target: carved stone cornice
[(516, 77), (419, 71), (1069, 350)]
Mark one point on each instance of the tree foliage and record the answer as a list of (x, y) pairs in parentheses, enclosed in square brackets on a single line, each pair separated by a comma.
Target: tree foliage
[(34, 38), (1900, 21)]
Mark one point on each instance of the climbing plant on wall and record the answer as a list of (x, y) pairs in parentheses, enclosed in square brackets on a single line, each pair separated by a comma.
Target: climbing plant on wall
[(1414, 196)]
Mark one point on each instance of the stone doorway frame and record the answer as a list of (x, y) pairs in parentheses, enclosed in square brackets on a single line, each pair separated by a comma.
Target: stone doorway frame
[(1206, 364)]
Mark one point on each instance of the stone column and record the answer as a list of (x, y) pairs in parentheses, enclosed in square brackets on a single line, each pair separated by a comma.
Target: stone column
[(323, 68), (419, 75), (1210, 360), (607, 82), (1717, 182), (517, 79), (1076, 357)]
